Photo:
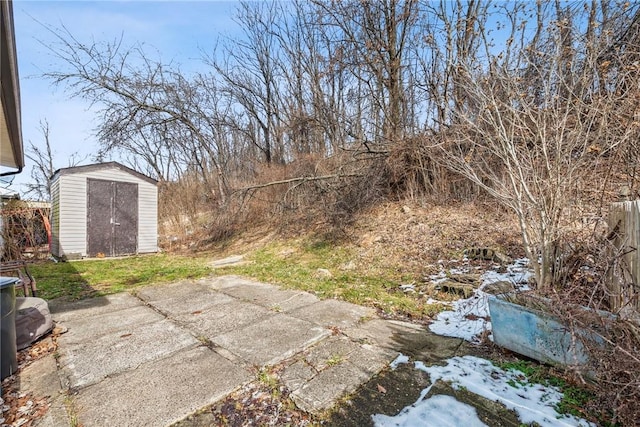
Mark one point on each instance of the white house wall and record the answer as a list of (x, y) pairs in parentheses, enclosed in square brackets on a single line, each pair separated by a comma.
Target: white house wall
[(73, 210)]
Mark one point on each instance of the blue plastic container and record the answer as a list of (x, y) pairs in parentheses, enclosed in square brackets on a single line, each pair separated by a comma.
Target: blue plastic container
[(534, 334)]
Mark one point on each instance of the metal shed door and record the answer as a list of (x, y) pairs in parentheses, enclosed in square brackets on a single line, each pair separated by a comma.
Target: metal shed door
[(112, 217)]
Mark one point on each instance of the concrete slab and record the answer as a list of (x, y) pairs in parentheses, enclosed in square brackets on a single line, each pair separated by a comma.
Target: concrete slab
[(382, 333), (161, 392), (402, 386), (297, 374), (271, 340), (311, 376), (226, 262), (184, 289), (41, 379), (175, 305), (223, 282), (65, 310), (93, 360), (223, 318), (270, 296), (56, 415), (332, 312), (334, 349), (325, 388), (89, 328), (371, 360)]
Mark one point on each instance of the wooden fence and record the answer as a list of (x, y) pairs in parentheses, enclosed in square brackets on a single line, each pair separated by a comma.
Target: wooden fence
[(624, 283)]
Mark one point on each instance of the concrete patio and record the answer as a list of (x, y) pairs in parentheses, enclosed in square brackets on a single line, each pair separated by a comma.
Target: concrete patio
[(161, 354)]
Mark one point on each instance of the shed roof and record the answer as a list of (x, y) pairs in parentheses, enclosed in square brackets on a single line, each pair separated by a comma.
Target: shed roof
[(99, 166)]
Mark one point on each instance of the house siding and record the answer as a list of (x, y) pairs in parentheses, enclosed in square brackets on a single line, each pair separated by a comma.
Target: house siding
[(72, 199)]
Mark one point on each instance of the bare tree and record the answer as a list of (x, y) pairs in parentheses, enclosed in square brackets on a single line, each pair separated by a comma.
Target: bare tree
[(249, 72), (537, 135), (139, 95), (372, 40), (43, 164)]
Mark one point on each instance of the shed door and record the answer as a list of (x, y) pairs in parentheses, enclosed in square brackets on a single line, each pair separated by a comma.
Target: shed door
[(112, 217)]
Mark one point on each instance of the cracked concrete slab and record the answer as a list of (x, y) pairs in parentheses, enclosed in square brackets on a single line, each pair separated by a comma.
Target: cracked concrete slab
[(63, 311), (334, 313), (161, 392), (183, 290), (223, 282), (321, 392), (271, 297), (93, 360), (311, 376), (41, 379), (271, 340), (139, 360), (89, 328), (175, 304), (223, 318)]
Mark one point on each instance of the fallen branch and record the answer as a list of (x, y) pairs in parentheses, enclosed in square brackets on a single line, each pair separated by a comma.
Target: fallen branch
[(298, 180)]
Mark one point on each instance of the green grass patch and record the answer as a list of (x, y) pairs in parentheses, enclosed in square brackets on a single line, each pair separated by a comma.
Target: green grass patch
[(82, 279), (574, 398), (291, 264), (295, 266)]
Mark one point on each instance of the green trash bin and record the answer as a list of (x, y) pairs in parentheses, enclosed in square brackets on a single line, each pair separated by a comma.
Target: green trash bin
[(8, 352)]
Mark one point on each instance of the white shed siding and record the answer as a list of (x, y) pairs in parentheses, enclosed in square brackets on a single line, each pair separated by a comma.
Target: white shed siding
[(73, 209), (55, 218), (73, 214), (147, 217)]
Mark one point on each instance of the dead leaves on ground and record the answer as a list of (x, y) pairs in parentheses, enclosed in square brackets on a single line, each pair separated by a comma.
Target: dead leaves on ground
[(21, 408)]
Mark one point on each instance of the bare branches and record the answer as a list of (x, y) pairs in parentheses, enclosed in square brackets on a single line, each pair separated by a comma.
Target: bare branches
[(301, 179), (43, 164)]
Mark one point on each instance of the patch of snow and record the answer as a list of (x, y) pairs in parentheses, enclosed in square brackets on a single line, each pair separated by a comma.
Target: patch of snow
[(398, 361), (469, 317), (437, 411), (517, 273), (531, 402)]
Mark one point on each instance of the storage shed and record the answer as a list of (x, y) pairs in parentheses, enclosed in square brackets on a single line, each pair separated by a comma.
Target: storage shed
[(104, 209)]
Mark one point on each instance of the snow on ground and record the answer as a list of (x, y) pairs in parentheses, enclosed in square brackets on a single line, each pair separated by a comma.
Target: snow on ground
[(437, 411), (531, 402), (469, 318)]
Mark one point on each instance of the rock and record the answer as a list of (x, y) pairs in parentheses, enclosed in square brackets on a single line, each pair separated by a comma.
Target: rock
[(487, 254), (463, 289), (500, 287), (406, 209), (322, 273), (226, 262), (470, 279), (501, 258)]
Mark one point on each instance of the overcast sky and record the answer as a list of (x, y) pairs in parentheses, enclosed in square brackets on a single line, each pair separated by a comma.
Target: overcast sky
[(178, 30)]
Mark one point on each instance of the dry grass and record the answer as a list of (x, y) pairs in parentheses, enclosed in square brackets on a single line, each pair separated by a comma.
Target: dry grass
[(413, 238)]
